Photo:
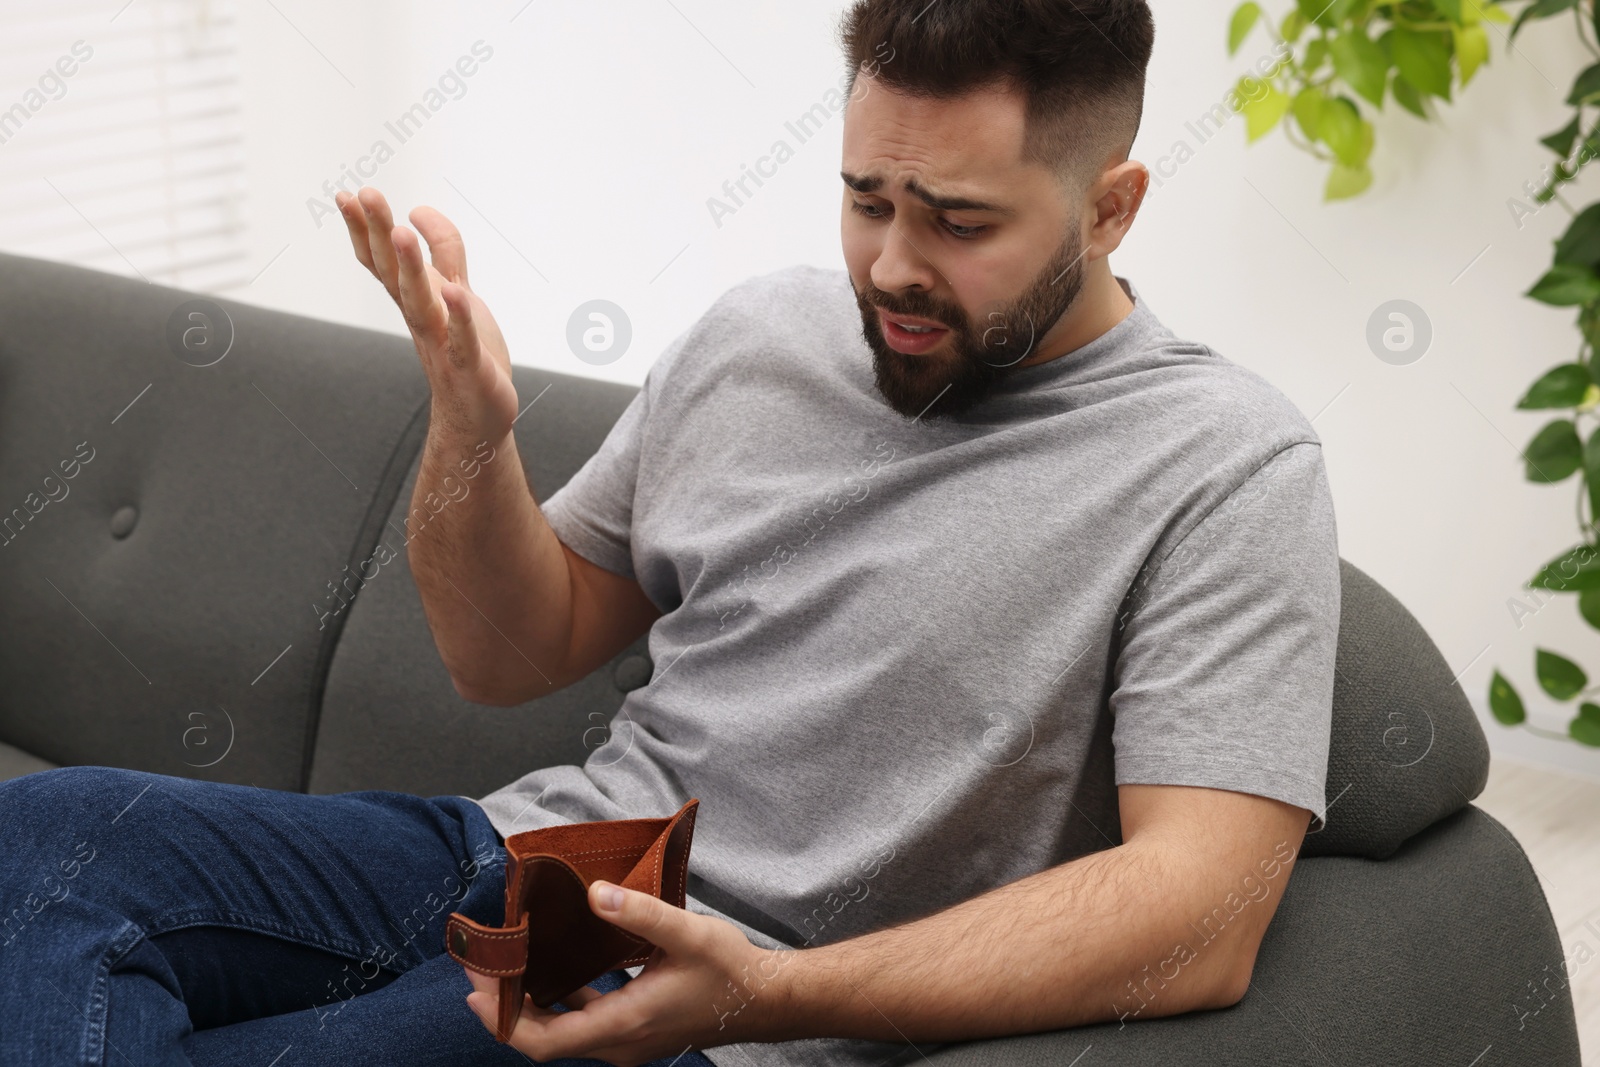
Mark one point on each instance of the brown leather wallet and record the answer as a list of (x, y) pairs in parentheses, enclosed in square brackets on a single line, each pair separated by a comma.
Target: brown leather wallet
[(552, 942)]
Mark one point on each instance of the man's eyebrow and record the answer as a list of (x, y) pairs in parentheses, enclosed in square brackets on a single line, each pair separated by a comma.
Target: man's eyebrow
[(863, 184)]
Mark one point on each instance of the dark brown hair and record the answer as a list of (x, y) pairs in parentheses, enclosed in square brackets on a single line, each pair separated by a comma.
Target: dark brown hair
[(1080, 65)]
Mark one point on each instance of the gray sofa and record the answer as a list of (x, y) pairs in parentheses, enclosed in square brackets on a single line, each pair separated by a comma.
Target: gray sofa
[(175, 606)]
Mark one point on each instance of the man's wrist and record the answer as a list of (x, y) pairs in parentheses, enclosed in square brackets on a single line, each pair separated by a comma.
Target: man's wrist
[(448, 448), (451, 424), (811, 989)]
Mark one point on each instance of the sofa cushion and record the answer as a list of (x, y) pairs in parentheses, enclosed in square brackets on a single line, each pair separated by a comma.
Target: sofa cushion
[(14, 762), (158, 614)]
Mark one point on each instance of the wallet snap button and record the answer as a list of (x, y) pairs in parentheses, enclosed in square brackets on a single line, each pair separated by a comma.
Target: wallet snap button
[(633, 673), (458, 941)]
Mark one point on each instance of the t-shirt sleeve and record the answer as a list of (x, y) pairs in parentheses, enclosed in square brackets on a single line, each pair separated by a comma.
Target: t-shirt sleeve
[(1224, 674), (593, 512)]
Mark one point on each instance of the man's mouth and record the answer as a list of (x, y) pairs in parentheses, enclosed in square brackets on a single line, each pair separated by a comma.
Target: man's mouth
[(910, 334)]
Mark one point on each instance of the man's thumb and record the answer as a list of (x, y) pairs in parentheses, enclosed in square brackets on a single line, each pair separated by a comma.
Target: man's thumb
[(650, 917)]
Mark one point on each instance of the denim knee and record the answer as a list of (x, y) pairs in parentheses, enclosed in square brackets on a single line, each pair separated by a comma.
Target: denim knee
[(61, 796)]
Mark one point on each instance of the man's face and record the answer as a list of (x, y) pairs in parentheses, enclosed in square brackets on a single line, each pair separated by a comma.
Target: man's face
[(982, 245)]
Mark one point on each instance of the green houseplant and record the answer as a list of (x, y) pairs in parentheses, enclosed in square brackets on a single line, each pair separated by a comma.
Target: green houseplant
[(1348, 59)]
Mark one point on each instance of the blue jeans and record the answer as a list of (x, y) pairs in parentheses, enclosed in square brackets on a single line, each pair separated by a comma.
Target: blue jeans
[(147, 919)]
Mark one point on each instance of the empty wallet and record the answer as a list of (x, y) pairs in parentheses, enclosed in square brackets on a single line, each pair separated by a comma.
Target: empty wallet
[(552, 942)]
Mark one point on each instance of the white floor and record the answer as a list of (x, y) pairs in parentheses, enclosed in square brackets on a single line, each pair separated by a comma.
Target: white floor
[(1556, 818)]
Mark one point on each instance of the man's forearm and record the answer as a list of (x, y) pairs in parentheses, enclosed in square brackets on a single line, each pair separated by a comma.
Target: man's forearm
[(1121, 933), (491, 572)]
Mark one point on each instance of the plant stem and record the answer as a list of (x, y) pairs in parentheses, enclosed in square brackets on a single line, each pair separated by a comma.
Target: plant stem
[(1577, 15), (1307, 146)]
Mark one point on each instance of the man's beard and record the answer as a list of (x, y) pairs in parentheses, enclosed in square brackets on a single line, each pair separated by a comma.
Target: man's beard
[(978, 353)]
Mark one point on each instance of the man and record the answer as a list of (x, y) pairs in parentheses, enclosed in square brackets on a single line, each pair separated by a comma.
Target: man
[(993, 625)]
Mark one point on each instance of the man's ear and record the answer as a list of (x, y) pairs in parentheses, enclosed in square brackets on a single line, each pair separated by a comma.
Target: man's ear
[(1118, 195)]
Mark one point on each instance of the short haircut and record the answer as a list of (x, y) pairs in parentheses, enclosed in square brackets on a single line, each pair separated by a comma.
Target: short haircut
[(1080, 65)]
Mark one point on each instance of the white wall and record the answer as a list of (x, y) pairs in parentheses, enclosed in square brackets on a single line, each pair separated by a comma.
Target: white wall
[(579, 161)]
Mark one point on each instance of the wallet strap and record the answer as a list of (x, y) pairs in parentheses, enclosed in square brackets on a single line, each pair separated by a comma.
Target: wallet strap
[(490, 950)]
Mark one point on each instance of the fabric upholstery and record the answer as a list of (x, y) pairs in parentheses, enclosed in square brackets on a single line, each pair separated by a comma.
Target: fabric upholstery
[(1406, 748), (391, 717), (1421, 960), (14, 762), (251, 479)]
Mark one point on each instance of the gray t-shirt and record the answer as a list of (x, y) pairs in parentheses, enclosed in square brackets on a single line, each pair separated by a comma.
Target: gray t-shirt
[(902, 663)]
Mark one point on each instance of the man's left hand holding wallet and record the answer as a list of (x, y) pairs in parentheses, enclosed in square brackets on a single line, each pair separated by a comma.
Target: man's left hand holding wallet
[(584, 898)]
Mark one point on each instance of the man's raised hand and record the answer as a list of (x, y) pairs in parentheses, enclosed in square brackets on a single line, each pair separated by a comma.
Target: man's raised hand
[(460, 345)]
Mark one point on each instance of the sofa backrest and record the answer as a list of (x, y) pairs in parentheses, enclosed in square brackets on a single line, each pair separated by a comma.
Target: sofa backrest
[(391, 718), (181, 527), (185, 530), (156, 613), (1407, 748)]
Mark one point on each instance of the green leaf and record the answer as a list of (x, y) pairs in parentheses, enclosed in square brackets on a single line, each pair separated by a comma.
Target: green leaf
[(1243, 21), (1586, 87), (1308, 110), (1361, 63), (1591, 477), (1589, 607), (1345, 182), (1340, 127), (1406, 95), (1504, 703), (1450, 9), (1264, 104), (1558, 676), (1316, 52), (1554, 453), (1577, 570), (1329, 13), (1491, 13), (1542, 9), (1562, 386), (1579, 246), (1472, 50), (1585, 730), (1566, 285), (1424, 58), (1560, 142), (1294, 24)]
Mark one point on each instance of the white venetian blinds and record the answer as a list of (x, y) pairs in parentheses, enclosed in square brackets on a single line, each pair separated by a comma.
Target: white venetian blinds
[(121, 140)]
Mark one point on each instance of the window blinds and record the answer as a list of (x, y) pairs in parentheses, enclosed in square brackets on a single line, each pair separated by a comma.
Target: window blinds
[(121, 140)]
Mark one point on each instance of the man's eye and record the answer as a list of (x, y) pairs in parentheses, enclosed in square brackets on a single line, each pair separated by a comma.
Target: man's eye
[(965, 233)]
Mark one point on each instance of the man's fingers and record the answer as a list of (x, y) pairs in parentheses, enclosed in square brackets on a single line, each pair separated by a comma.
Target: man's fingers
[(445, 247), (673, 930), (482, 983), (586, 1031), (580, 996), (463, 331), (355, 222), (423, 313), (380, 223)]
